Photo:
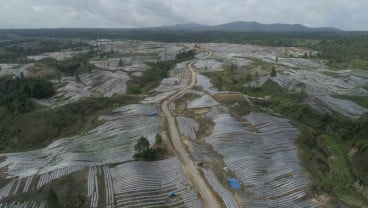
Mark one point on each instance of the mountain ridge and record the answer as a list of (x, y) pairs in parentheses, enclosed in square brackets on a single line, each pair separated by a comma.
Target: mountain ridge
[(242, 26)]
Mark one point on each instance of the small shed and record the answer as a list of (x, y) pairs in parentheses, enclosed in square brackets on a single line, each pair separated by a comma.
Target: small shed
[(234, 183)]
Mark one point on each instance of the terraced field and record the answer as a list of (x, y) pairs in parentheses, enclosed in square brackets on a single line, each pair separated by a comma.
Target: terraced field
[(260, 150), (146, 184), (111, 142)]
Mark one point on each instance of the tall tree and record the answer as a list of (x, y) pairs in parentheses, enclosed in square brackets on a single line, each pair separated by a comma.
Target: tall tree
[(273, 72), (142, 145)]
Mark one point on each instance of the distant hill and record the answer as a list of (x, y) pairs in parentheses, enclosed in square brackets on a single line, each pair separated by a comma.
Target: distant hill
[(241, 26)]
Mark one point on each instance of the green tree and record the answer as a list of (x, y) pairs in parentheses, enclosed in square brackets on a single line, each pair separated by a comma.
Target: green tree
[(305, 55), (52, 200), (233, 67), (248, 77), (142, 145), (158, 139), (77, 78), (273, 72), (256, 76), (121, 62)]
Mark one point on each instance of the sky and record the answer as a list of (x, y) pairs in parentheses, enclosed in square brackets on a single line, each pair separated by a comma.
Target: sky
[(343, 14)]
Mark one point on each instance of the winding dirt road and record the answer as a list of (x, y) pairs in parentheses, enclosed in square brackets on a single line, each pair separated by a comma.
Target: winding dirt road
[(204, 190)]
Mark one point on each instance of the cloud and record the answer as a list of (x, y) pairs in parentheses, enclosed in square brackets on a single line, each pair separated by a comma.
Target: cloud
[(349, 15)]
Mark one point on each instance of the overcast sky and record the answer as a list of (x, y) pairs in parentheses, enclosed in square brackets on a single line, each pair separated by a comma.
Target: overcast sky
[(344, 14)]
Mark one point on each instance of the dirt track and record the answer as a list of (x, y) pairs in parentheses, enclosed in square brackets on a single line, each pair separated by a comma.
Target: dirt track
[(204, 190)]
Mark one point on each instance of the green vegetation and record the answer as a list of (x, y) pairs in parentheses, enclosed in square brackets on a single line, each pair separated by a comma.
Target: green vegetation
[(142, 145), (143, 151), (66, 192), (152, 77), (361, 100), (245, 81), (345, 52), (341, 49), (16, 94), (17, 50), (158, 139), (273, 72), (77, 65), (185, 55), (52, 199), (324, 141), (40, 127), (331, 74)]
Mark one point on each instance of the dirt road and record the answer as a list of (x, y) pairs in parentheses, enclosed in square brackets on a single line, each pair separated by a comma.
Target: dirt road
[(206, 193)]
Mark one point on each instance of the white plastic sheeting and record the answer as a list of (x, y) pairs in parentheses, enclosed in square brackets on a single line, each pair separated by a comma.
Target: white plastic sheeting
[(264, 159), (203, 102), (188, 127), (146, 184), (111, 142)]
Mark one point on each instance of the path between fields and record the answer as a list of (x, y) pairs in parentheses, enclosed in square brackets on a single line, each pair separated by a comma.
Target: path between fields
[(198, 181)]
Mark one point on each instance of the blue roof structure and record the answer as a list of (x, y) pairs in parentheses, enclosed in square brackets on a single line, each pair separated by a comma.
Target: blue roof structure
[(234, 183)]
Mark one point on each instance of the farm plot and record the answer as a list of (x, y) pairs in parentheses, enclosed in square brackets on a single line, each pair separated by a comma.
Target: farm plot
[(202, 102), (345, 107), (5, 191), (300, 62), (127, 64), (14, 70), (188, 127), (110, 199), (59, 56), (226, 196), (205, 83), (93, 186), (228, 52), (147, 184), (208, 65), (95, 189), (352, 84), (170, 51), (96, 83), (53, 175), (239, 61), (111, 142), (168, 84), (215, 110), (320, 87), (199, 152), (23, 205), (157, 98), (264, 158), (181, 72)]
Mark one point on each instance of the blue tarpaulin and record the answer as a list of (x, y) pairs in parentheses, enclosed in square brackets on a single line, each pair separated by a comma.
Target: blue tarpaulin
[(153, 114), (171, 194), (234, 183)]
